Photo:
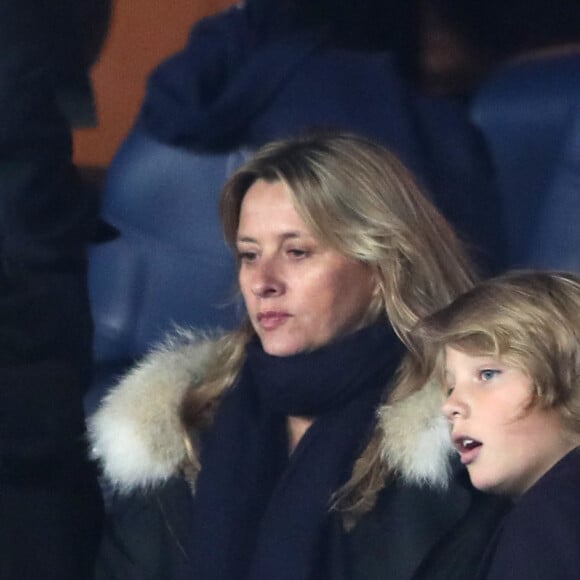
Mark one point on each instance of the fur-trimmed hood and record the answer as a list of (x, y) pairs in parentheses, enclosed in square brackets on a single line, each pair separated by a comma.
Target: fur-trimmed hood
[(138, 438)]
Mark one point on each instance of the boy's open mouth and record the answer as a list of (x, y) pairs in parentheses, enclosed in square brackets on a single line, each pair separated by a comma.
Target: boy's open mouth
[(467, 447), (466, 443)]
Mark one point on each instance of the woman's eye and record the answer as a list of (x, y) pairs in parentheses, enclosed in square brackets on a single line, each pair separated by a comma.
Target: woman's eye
[(247, 256), (488, 374), (298, 253)]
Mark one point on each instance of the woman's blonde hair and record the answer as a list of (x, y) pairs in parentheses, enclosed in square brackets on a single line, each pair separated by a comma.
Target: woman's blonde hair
[(529, 319), (359, 199)]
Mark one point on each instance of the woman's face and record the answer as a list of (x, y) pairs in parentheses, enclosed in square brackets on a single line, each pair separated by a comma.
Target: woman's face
[(299, 293)]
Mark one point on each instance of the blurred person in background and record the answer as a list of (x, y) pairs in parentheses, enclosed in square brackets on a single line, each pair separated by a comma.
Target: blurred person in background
[(266, 70), (50, 504), (459, 42)]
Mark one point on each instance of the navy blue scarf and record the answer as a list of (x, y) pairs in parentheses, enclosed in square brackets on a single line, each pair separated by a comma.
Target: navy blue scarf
[(260, 514)]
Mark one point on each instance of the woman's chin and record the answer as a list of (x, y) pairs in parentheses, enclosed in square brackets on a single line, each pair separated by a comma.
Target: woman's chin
[(282, 346), (281, 350)]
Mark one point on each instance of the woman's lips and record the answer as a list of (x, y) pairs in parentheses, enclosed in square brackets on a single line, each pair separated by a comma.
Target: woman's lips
[(272, 319)]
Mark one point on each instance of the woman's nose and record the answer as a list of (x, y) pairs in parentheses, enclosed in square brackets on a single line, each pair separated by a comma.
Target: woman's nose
[(455, 407), (267, 280)]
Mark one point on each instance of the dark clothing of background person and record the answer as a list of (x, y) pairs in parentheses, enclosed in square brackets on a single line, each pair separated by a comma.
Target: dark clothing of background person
[(247, 77), (50, 505), (461, 42)]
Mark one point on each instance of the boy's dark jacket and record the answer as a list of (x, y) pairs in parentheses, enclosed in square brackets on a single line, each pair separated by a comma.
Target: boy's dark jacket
[(427, 524), (540, 536)]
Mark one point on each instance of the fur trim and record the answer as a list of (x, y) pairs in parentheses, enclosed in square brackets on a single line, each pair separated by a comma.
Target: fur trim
[(138, 438), (136, 434), (416, 442)]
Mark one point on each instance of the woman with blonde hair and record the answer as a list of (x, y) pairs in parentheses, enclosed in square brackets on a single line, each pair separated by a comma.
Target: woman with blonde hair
[(274, 426)]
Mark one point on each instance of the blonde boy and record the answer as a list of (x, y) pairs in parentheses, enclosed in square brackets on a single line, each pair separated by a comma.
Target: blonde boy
[(508, 353)]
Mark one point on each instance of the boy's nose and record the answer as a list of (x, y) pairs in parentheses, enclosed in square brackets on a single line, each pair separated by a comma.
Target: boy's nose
[(454, 407)]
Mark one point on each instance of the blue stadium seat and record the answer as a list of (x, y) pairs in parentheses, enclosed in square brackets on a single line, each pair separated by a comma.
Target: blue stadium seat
[(556, 244), (523, 110), (161, 269)]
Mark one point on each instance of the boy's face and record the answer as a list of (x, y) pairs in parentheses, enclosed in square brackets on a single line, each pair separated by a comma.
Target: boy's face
[(505, 446)]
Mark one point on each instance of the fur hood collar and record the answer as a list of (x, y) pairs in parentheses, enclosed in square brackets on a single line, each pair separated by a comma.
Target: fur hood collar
[(138, 438)]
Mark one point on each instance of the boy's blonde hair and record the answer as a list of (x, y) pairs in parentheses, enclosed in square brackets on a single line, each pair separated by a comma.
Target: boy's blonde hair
[(531, 320)]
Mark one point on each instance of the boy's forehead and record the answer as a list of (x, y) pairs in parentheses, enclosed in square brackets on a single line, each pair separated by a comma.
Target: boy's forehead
[(478, 342), (458, 355)]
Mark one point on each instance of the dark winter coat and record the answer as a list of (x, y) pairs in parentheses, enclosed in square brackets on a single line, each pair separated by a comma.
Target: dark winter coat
[(416, 530)]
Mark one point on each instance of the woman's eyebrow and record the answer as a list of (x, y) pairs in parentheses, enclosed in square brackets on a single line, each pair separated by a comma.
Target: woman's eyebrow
[(246, 239), (284, 236)]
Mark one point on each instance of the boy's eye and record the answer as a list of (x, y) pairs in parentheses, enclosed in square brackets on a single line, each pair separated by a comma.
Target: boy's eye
[(488, 374)]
